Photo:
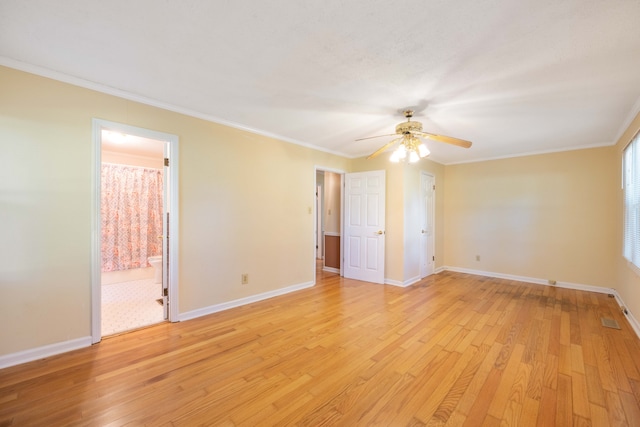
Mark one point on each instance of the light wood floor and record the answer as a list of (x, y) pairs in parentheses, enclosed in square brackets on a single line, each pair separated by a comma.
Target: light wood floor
[(453, 350)]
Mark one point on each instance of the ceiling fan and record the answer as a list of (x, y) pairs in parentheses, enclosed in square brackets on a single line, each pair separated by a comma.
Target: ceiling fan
[(409, 144)]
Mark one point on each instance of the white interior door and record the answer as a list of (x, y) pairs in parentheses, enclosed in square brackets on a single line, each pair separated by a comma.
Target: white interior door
[(364, 227), (427, 190)]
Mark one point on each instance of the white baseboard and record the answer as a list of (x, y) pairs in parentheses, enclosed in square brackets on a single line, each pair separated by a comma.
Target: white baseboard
[(635, 325), (331, 269), (42, 352), (242, 301), (403, 284), (567, 285)]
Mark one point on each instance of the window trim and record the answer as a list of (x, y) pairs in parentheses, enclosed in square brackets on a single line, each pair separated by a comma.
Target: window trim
[(631, 203)]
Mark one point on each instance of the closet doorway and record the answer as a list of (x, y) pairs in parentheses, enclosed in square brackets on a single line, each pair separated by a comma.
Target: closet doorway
[(133, 278)]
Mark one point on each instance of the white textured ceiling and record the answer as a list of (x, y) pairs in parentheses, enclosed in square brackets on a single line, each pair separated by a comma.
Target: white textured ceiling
[(513, 77)]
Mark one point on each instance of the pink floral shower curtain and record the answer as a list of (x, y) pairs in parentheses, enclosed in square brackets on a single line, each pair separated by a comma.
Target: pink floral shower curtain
[(131, 216)]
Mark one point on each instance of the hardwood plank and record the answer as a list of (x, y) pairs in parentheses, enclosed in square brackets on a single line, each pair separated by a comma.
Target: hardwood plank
[(453, 349), (443, 389), (580, 397), (530, 409), (564, 402), (615, 411), (599, 416), (505, 388), (631, 408), (595, 391), (547, 408), (461, 385), (470, 396)]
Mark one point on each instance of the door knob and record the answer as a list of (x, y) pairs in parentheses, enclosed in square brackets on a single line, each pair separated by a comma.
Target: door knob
[(380, 232)]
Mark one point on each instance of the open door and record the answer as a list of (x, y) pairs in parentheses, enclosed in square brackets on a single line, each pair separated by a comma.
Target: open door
[(364, 226)]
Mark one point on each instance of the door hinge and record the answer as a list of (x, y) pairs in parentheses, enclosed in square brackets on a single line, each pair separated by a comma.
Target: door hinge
[(434, 187), (433, 258), (165, 292), (166, 162)]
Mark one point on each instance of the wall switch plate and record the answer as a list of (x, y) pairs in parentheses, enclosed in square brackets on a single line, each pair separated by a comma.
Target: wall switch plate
[(245, 279)]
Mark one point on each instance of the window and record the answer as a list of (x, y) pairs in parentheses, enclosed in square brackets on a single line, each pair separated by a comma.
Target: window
[(631, 182)]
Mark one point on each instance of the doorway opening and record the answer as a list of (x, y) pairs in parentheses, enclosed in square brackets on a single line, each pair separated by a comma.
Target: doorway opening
[(134, 222), (328, 220)]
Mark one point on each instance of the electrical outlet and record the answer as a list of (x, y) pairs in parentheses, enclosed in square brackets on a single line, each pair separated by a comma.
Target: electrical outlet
[(477, 257), (245, 279)]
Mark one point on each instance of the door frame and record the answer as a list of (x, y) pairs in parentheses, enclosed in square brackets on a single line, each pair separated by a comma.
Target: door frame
[(424, 214), (98, 125), (315, 213)]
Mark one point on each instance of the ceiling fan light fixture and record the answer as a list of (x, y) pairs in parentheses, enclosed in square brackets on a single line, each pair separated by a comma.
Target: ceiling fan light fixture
[(423, 151), (410, 145), (402, 151)]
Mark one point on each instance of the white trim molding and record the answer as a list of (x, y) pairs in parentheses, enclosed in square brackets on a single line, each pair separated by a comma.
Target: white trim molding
[(42, 352), (567, 285), (633, 322), (243, 301), (403, 284)]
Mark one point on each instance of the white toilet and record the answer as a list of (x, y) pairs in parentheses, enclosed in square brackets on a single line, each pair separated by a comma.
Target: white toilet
[(156, 263)]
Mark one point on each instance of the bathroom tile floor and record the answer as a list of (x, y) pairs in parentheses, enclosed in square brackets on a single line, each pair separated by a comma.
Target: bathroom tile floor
[(130, 305)]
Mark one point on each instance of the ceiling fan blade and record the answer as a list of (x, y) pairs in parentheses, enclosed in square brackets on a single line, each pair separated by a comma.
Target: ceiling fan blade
[(383, 148), (379, 136), (448, 139)]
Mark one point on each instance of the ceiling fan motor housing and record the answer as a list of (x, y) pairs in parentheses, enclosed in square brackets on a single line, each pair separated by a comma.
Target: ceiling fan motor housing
[(408, 127)]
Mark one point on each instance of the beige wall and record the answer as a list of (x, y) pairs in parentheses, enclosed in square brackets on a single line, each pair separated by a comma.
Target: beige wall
[(555, 216), (244, 208), (548, 216), (628, 278)]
